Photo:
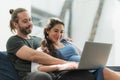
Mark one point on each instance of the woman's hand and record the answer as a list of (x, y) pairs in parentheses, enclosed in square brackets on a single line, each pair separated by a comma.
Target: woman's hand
[(68, 65)]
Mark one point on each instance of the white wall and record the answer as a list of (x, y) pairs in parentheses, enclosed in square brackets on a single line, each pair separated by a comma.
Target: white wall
[(83, 21), (84, 12), (105, 31), (52, 6), (5, 5), (116, 25)]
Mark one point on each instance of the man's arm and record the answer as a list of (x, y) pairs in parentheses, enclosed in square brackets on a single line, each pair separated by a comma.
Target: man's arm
[(30, 54)]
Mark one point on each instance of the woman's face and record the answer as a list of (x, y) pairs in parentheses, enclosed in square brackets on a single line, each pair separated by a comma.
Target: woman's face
[(56, 33)]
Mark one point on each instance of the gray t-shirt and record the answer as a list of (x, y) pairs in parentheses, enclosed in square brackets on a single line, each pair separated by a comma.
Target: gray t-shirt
[(14, 43)]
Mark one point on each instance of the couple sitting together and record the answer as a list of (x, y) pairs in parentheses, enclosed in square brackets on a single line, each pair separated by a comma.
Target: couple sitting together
[(35, 60)]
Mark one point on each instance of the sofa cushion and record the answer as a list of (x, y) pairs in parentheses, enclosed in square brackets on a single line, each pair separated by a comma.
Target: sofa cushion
[(7, 71)]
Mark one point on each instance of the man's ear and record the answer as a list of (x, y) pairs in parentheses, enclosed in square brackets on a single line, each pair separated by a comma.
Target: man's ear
[(14, 24)]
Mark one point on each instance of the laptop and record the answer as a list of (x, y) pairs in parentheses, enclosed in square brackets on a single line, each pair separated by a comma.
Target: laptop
[(94, 55)]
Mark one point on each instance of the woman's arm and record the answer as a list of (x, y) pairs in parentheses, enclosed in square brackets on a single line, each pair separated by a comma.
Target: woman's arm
[(66, 66), (47, 68)]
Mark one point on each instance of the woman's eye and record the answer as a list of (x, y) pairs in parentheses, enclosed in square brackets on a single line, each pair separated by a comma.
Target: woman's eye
[(55, 31), (62, 31)]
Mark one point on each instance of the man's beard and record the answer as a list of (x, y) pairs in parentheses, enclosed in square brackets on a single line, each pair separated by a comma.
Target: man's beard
[(25, 30)]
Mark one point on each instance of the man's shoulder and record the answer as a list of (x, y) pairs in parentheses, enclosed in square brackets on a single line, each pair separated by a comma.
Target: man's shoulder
[(36, 38), (13, 37)]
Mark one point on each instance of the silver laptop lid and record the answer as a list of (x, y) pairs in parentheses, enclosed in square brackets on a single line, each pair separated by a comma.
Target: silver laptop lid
[(94, 55)]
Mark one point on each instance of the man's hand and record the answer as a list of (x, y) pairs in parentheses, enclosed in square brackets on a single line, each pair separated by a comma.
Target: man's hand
[(68, 39)]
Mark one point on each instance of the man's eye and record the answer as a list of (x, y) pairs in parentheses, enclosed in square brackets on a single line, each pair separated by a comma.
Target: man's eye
[(30, 19), (24, 21), (62, 32)]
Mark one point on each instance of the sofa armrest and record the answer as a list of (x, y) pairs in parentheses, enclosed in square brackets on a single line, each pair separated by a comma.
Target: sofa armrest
[(115, 68)]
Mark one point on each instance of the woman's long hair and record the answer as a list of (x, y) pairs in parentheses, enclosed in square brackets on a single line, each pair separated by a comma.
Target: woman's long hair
[(47, 43)]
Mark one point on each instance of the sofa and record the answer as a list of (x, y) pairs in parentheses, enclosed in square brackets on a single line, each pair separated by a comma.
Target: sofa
[(8, 72)]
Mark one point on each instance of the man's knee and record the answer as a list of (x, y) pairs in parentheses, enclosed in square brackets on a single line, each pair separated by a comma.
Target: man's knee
[(39, 76)]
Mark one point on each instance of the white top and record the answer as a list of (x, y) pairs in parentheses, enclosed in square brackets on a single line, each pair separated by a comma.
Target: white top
[(34, 66)]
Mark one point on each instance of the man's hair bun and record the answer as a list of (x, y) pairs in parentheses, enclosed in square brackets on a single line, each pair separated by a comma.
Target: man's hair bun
[(11, 11)]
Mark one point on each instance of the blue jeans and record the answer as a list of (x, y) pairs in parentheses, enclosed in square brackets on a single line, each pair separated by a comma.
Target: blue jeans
[(99, 73)]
